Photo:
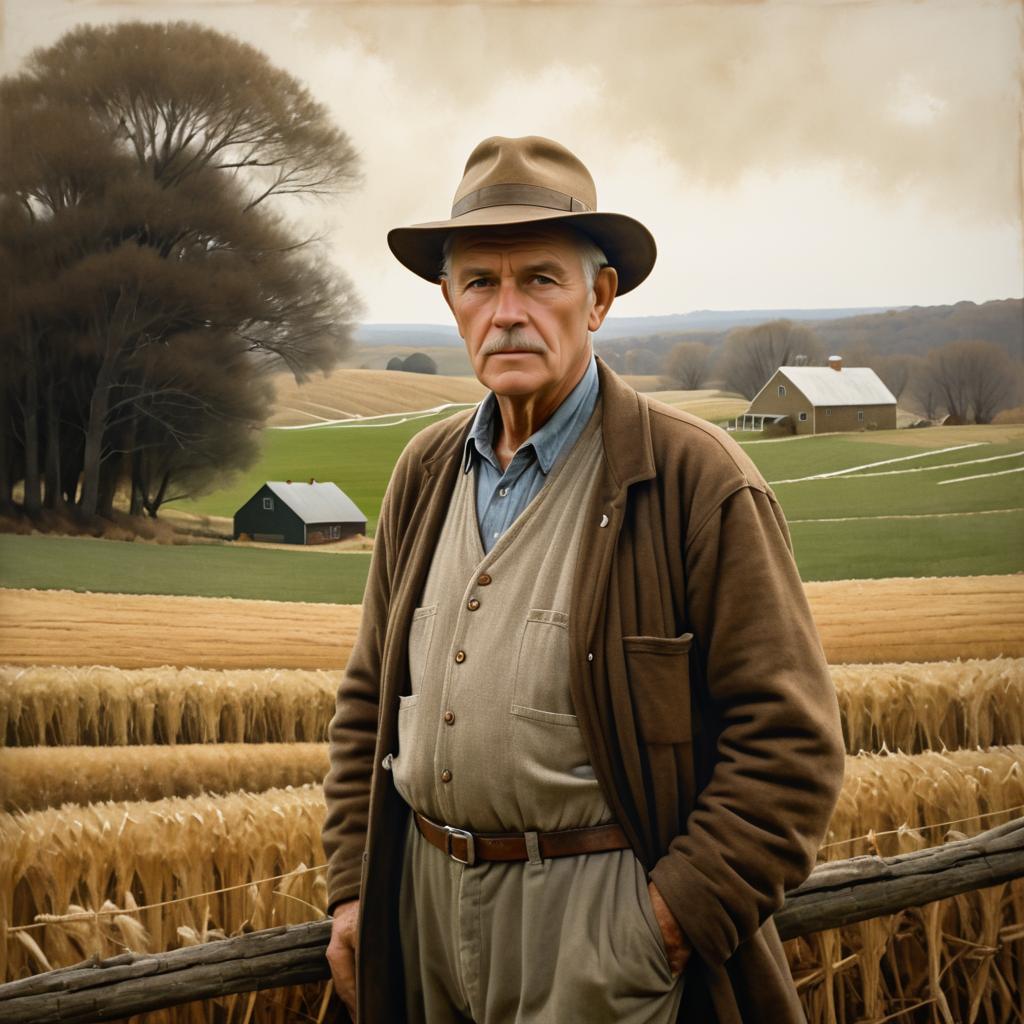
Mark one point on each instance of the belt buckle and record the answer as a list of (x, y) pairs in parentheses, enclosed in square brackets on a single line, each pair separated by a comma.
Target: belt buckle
[(449, 831)]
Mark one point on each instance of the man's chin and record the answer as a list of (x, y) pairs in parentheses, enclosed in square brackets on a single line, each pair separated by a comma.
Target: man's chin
[(510, 381)]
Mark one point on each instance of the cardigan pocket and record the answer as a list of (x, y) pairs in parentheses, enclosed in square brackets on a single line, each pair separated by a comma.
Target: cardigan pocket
[(410, 770), (421, 631), (540, 690), (659, 678)]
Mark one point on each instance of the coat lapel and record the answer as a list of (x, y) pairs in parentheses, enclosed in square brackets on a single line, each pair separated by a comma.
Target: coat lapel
[(628, 459)]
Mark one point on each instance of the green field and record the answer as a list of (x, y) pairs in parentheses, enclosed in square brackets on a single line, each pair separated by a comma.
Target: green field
[(895, 519), (977, 545), (203, 570), (358, 459)]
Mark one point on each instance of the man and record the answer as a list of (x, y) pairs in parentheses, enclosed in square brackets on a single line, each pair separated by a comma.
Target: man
[(586, 738)]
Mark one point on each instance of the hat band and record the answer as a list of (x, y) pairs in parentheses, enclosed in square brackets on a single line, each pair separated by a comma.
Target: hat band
[(518, 195)]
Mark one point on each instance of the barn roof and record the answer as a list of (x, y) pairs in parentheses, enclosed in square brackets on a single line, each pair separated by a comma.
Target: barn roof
[(317, 502), (852, 385)]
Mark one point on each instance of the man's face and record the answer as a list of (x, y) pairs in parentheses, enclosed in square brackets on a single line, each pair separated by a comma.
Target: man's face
[(523, 308)]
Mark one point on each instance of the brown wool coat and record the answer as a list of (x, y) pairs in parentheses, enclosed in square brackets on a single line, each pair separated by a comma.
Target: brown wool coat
[(707, 705)]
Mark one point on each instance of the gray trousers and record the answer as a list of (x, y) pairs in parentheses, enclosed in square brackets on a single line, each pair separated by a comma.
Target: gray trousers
[(564, 940)]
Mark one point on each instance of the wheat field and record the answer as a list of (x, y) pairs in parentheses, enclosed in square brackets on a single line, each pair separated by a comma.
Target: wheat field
[(349, 393), (858, 620), (915, 706), (32, 778), (189, 726), (114, 856), (908, 706), (101, 705)]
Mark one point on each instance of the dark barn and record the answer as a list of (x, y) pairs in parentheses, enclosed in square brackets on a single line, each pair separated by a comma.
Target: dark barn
[(284, 512)]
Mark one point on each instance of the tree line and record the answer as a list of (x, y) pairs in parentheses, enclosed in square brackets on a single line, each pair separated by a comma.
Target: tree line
[(153, 282), (971, 380)]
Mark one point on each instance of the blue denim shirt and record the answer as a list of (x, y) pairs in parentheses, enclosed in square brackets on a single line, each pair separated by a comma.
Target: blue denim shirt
[(500, 497)]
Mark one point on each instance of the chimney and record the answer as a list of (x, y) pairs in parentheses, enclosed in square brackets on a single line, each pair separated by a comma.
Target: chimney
[(835, 362)]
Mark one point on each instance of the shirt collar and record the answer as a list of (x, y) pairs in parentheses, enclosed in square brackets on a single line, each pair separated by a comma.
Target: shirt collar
[(548, 440)]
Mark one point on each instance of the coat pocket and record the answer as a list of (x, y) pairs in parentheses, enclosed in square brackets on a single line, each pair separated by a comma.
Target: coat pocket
[(659, 678)]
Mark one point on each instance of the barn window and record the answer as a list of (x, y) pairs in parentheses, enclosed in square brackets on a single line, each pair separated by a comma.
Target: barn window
[(268, 503), (860, 414), (782, 391), (335, 531), (828, 412), (803, 415)]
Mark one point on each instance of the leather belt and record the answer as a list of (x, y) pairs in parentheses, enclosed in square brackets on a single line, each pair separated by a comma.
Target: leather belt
[(470, 847)]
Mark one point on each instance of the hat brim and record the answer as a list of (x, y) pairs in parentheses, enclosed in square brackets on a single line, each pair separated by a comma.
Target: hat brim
[(629, 246)]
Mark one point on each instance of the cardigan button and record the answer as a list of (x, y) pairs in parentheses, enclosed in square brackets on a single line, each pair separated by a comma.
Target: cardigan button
[(590, 655), (483, 579), (460, 657), (472, 604), (446, 776), (449, 717)]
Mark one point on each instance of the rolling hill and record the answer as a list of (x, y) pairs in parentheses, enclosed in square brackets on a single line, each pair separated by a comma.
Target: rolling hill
[(349, 394)]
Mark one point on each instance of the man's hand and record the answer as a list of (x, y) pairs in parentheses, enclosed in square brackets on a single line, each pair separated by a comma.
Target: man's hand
[(341, 953), (676, 944)]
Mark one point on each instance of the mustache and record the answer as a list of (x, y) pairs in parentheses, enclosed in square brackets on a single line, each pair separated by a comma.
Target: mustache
[(514, 338)]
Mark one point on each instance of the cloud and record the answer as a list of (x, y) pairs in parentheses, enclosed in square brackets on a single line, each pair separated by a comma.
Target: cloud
[(822, 152), (920, 97)]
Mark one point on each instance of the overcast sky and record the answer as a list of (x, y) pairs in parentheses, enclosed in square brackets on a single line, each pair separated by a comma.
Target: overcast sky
[(784, 154)]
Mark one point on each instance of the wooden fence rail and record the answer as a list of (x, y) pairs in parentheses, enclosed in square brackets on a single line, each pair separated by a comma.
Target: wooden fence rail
[(837, 893)]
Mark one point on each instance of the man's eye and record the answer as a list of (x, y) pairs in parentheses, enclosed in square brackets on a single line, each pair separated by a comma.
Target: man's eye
[(476, 281), (543, 279)]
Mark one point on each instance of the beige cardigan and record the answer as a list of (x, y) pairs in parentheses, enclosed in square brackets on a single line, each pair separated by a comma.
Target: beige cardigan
[(697, 677)]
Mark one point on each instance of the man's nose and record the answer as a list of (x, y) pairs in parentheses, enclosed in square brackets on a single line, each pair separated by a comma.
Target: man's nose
[(510, 309)]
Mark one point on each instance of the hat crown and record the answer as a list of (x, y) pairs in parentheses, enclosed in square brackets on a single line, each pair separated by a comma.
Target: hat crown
[(530, 160), (527, 180)]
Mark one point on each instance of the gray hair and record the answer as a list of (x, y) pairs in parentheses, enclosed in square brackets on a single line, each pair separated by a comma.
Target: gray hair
[(591, 255)]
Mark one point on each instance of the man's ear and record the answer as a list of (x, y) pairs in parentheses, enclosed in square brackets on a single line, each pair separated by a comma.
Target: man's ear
[(605, 285)]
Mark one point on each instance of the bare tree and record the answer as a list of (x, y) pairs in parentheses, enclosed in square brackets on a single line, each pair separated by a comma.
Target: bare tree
[(923, 387), (894, 372), (184, 98), (688, 364), (641, 362), (752, 354), (975, 379)]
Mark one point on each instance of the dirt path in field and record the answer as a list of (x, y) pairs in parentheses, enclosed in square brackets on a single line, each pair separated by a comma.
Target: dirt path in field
[(931, 619)]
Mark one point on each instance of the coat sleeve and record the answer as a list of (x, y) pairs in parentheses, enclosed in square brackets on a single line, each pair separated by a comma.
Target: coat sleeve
[(352, 734), (756, 827)]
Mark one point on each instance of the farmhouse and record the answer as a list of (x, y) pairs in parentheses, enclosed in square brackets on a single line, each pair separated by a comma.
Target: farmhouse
[(821, 399), (299, 513)]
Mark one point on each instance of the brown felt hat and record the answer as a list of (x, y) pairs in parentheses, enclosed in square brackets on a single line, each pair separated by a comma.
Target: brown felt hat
[(523, 181)]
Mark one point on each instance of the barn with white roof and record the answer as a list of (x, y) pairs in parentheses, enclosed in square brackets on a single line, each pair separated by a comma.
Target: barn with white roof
[(821, 399), (286, 512)]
